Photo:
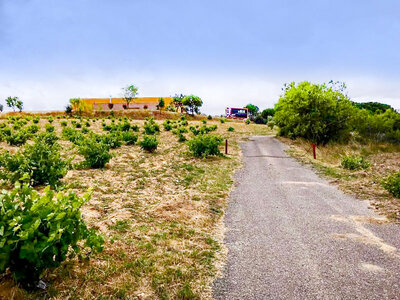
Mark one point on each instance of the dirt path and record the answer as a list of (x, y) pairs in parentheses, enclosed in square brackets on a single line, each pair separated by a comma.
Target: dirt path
[(291, 235)]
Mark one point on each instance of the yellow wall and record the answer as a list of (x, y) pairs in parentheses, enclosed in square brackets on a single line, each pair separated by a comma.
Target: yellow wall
[(142, 100)]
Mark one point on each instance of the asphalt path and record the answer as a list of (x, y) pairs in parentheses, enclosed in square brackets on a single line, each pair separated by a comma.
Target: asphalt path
[(292, 235)]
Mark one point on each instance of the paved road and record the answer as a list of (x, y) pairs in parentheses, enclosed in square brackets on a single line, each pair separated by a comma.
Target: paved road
[(291, 235)]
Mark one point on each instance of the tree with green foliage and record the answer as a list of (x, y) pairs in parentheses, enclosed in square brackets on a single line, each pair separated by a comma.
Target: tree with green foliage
[(1, 107), (177, 103), (381, 127), (373, 107), (317, 112), (78, 105), (192, 104), (129, 93), (253, 110), (68, 109), (160, 104), (178, 99), (14, 102), (268, 112), (20, 105)]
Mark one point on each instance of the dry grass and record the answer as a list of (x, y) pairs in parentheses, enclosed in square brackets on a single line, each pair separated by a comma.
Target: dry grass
[(364, 184), (161, 215)]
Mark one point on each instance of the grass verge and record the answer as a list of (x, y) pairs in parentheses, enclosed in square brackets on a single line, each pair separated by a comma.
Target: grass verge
[(363, 184)]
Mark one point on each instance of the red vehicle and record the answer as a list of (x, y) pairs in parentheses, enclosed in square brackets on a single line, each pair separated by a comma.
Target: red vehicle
[(236, 113)]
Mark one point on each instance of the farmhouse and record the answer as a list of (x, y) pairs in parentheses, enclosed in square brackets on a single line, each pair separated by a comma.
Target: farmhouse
[(105, 104)]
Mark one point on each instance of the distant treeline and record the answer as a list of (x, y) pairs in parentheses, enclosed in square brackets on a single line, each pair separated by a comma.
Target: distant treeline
[(373, 107)]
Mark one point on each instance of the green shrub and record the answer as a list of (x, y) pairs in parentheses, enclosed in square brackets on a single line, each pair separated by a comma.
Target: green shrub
[(50, 119), (36, 120), (222, 120), (63, 123), (231, 129), (151, 127), (129, 137), (17, 125), (204, 121), (107, 127), (41, 162), (85, 130), (316, 112), (392, 184), (49, 128), (203, 129), (47, 137), (96, 153), (183, 122), (32, 129), (181, 138), (209, 117), (149, 143), (72, 135), (39, 231), (247, 121), (259, 120), (17, 138), (126, 126), (354, 163), (179, 130), (167, 125), (5, 132), (112, 139), (135, 127), (205, 145)]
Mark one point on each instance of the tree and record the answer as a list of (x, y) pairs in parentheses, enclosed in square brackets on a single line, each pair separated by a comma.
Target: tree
[(178, 99), (381, 127), (161, 104), (192, 104), (317, 112), (373, 107), (177, 103), (68, 109), (14, 102), (79, 106), (269, 112), (130, 92), (1, 107), (19, 105), (253, 110)]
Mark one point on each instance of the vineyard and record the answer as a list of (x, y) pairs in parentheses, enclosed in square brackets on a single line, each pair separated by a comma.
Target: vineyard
[(114, 207)]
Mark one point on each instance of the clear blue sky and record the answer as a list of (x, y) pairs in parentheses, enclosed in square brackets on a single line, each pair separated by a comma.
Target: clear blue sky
[(230, 53)]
